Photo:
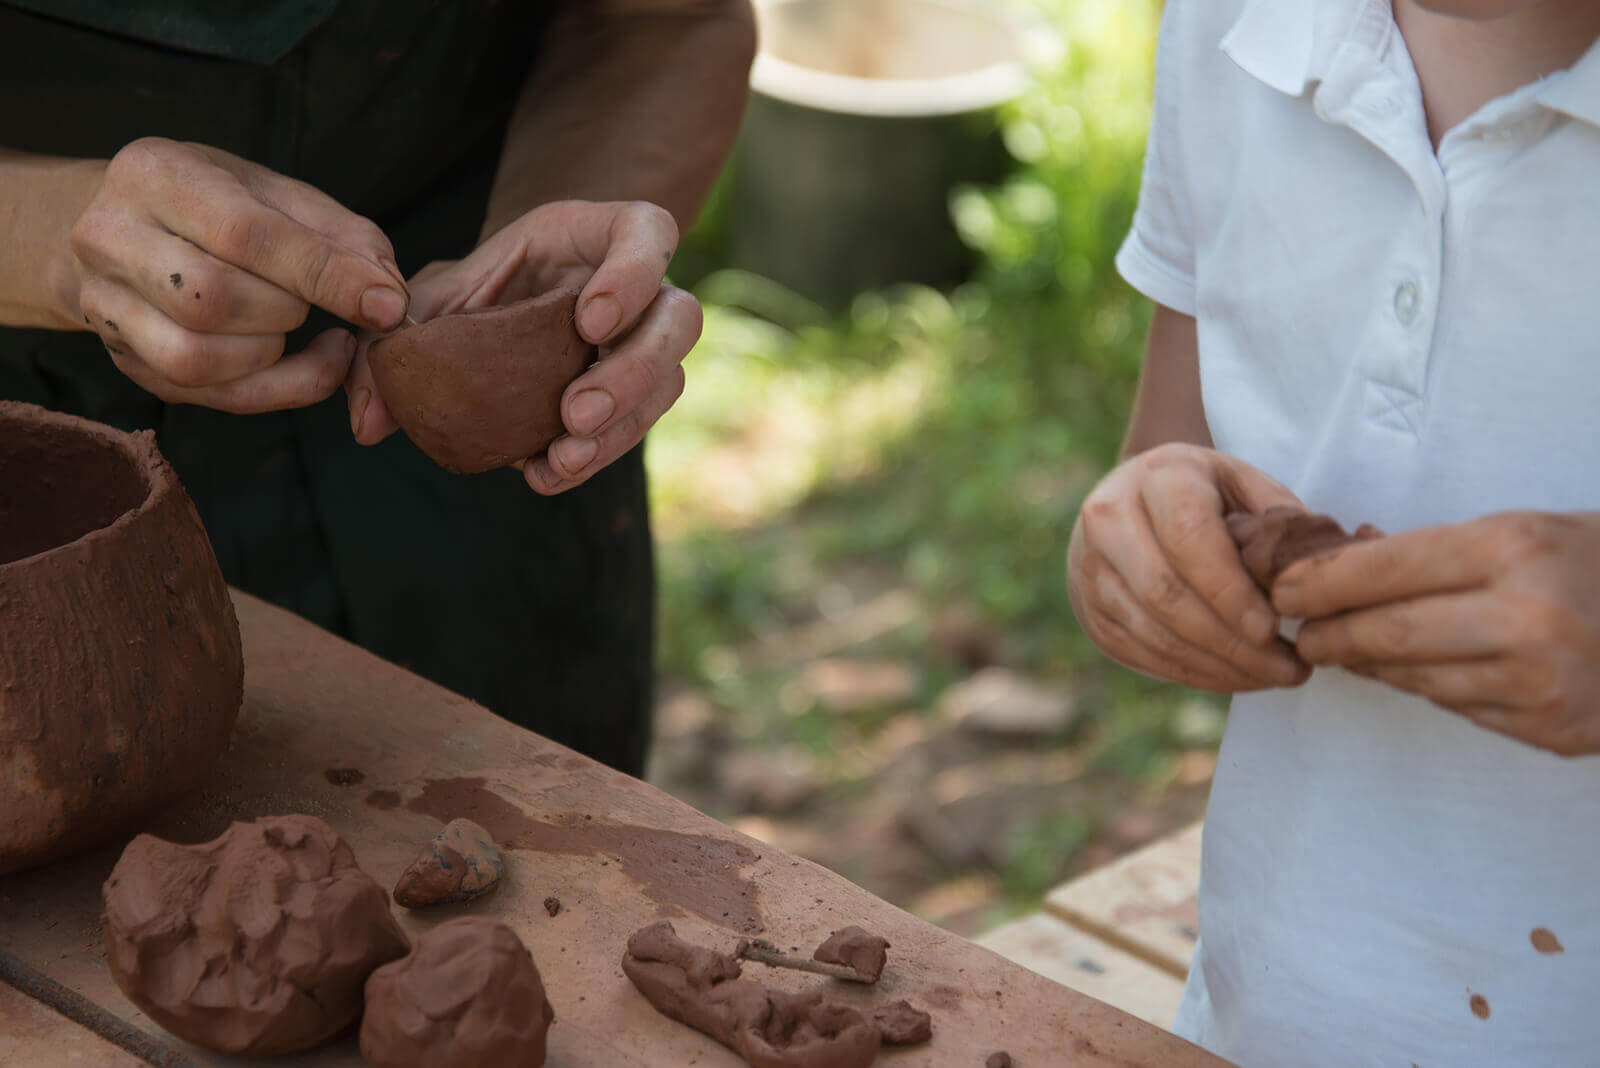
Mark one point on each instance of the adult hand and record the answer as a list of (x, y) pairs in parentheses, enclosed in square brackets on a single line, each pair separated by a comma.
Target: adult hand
[(617, 255), (1497, 619), (193, 264), (1156, 579)]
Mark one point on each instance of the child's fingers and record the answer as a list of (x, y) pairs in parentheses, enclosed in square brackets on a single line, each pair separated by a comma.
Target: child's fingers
[(1460, 626)]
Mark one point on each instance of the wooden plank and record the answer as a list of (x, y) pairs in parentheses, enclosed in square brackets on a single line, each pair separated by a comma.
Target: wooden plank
[(1044, 944), (1143, 903), (386, 757), (33, 1033)]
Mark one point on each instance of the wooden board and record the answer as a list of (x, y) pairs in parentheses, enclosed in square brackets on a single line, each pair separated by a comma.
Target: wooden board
[(1042, 943), (1144, 903), (385, 757)]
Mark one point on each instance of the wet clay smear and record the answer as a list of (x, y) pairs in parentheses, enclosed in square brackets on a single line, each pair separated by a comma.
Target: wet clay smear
[(855, 948), (1545, 941), (768, 1028), (998, 1060), (902, 1024), (689, 873), (1272, 540)]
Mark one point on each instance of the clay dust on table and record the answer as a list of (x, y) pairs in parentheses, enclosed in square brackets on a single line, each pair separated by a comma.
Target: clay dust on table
[(692, 873)]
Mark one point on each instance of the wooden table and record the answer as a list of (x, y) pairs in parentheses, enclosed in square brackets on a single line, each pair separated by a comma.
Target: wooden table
[(386, 757)]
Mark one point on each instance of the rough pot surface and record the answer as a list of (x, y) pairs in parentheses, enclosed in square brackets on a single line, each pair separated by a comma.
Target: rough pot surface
[(257, 943), (482, 389), (468, 996), (121, 672)]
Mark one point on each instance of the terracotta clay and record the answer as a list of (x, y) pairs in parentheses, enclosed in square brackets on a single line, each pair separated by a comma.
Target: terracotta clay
[(552, 905), (1272, 540), (768, 1028), (901, 1024), (482, 389), (121, 673), (998, 1060), (469, 995), (460, 863), (855, 948), (256, 943)]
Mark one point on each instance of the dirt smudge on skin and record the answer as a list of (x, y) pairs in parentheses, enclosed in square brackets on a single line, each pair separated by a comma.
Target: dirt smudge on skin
[(1480, 1006), (689, 873), (384, 799), (1545, 940)]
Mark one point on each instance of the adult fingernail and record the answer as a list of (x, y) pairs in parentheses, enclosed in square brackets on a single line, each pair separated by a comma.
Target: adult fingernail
[(382, 307), (1259, 624), (574, 454), (588, 410), (600, 316), (358, 410)]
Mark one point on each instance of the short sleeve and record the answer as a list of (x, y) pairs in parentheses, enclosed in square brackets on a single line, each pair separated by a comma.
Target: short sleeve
[(1157, 257)]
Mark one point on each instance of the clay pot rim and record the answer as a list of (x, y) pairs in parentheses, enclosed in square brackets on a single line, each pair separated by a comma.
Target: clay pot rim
[(138, 448)]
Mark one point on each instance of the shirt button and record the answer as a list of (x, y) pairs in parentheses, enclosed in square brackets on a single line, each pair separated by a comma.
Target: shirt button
[(1406, 303)]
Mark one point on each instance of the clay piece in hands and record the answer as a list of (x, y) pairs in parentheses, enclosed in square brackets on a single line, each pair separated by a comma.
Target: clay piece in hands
[(855, 948), (256, 943), (469, 995), (1272, 540), (481, 389), (768, 1028), (460, 863), (901, 1024)]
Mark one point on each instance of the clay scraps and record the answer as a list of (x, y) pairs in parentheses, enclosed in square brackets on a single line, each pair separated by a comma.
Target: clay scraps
[(855, 948), (460, 863), (468, 995), (256, 943), (768, 1028)]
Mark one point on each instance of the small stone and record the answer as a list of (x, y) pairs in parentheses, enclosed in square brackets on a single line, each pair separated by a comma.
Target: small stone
[(999, 701), (461, 863)]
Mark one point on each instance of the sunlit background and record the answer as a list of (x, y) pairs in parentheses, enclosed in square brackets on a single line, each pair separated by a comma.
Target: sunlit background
[(863, 506)]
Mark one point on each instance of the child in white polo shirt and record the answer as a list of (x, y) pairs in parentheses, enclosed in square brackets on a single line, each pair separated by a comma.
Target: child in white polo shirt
[(1372, 230)]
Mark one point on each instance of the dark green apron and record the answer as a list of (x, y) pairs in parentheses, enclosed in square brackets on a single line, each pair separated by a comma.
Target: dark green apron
[(540, 608)]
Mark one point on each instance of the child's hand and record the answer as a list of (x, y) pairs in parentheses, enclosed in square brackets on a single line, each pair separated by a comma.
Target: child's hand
[(1497, 619), (1156, 579)]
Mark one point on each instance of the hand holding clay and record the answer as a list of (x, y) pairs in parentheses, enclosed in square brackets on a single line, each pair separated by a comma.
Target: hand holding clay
[(1157, 581), (192, 264), (1497, 619), (615, 256)]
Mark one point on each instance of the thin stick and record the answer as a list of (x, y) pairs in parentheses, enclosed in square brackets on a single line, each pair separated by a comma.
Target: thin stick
[(763, 952)]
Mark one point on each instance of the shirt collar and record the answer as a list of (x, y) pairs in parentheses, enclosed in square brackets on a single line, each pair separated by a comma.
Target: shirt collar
[(1289, 44)]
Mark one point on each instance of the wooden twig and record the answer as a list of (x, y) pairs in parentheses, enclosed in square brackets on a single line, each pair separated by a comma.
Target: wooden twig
[(763, 952)]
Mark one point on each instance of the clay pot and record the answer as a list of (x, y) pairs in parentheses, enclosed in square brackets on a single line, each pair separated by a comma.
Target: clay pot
[(121, 672)]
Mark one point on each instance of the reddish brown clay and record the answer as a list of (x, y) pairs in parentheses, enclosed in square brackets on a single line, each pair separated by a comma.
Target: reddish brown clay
[(900, 1024), (121, 672), (855, 948), (256, 943), (1272, 540), (768, 1028), (482, 389), (552, 905), (468, 996), (459, 864), (998, 1060)]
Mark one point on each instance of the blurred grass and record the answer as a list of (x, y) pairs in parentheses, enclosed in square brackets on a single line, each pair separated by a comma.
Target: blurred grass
[(934, 442)]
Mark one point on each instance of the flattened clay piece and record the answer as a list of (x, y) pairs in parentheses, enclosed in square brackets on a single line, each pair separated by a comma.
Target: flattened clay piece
[(1272, 540), (121, 672), (768, 1028), (855, 948), (482, 389), (255, 943), (461, 863), (998, 1060), (468, 996), (902, 1025)]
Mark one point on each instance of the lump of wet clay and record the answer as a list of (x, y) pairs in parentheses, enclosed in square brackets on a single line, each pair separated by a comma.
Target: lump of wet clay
[(468, 995), (482, 389), (1272, 540), (901, 1024), (256, 943), (855, 948), (998, 1060), (461, 863), (768, 1028)]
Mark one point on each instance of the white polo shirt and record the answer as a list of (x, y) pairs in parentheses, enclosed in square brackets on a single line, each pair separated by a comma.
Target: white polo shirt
[(1403, 338)]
